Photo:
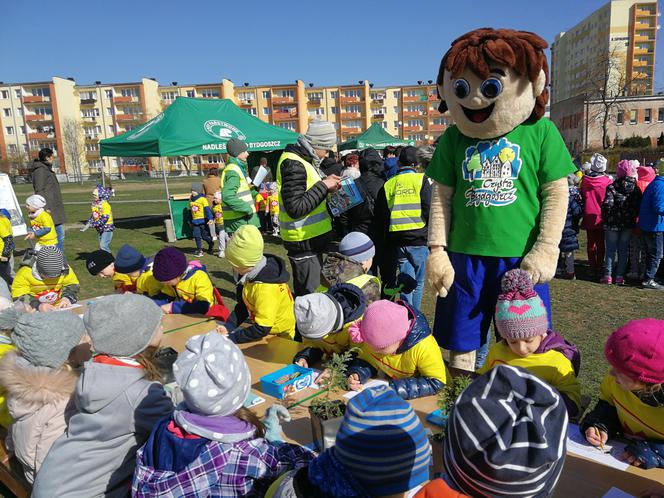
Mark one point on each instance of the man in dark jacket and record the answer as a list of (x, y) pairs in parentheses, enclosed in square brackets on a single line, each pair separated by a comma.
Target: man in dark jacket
[(305, 224), (45, 183), (401, 219)]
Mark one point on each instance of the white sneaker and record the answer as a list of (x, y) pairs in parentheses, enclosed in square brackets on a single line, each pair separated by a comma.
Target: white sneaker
[(222, 254)]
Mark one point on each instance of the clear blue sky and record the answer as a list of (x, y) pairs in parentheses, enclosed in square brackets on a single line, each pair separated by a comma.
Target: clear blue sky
[(277, 41)]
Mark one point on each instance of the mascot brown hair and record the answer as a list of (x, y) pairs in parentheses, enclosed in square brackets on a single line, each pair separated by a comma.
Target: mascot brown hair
[(500, 189)]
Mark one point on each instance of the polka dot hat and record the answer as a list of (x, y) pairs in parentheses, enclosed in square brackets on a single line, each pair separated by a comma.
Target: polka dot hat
[(213, 375)]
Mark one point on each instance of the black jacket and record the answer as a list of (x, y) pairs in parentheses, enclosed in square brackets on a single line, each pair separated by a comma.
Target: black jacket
[(359, 218), (373, 171), (330, 167), (45, 183), (381, 233), (298, 201), (621, 205), (274, 272)]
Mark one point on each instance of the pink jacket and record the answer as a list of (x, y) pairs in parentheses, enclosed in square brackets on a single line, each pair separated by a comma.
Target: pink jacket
[(39, 400), (593, 191)]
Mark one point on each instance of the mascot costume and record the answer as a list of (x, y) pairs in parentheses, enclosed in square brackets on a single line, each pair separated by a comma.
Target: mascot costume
[(499, 184)]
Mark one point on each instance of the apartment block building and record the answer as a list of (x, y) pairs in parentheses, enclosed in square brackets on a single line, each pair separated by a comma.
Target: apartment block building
[(615, 43), (36, 115)]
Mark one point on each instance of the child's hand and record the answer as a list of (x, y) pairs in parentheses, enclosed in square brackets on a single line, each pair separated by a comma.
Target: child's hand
[(596, 437), (64, 303), (354, 382), (167, 308), (221, 329), (43, 307), (302, 362), (30, 236), (325, 374), (630, 459)]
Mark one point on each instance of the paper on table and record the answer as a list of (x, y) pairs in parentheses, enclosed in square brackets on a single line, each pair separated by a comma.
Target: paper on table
[(577, 444), (371, 383), (617, 493), (73, 306), (260, 176)]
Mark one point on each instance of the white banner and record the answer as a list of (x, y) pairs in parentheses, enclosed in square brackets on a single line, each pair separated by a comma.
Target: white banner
[(9, 202)]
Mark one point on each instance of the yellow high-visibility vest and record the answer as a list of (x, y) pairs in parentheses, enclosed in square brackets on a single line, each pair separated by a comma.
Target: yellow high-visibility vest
[(243, 193), (404, 201), (316, 223)]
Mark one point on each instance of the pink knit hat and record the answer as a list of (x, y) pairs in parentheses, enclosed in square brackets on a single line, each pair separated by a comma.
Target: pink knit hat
[(626, 168), (637, 350), (385, 323)]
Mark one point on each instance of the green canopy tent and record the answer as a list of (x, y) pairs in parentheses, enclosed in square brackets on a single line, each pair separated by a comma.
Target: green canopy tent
[(375, 137), (193, 127)]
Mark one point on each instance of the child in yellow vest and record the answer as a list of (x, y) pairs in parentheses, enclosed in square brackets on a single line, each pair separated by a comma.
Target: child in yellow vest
[(201, 216), (6, 346), (129, 271), (273, 207), (41, 224), (395, 339), (218, 215), (262, 281), (6, 247), (47, 285), (631, 399), (101, 218), (527, 342), (323, 320), (263, 210)]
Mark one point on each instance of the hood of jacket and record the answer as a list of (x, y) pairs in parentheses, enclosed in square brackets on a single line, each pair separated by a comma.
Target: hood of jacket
[(370, 161), (195, 197), (298, 149), (351, 299), (338, 268), (645, 174), (274, 271), (193, 267), (103, 193), (419, 328), (555, 341), (101, 384), (34, 386), (595, 182)]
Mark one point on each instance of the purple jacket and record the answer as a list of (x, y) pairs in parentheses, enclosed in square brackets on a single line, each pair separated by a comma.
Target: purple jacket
[(553, 340)]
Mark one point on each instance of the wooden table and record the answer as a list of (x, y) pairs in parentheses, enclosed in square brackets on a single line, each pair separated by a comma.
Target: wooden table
[(580, 477)]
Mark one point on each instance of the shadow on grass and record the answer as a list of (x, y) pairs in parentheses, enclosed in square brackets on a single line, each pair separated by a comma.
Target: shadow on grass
[(147, 221)]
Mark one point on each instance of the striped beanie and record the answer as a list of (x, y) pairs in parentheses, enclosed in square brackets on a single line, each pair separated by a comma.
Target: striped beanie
[(357, 246), (50, 263), (382, 443), (520, 313), (506, 436)]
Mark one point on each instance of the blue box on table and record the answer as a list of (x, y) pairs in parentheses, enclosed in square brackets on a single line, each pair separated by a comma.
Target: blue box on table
[(291, 378)]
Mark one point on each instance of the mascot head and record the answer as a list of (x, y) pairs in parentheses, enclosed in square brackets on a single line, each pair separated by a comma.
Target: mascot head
[(492, 80)]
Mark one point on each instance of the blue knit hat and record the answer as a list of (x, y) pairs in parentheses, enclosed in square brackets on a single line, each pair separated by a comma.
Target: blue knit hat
[(506, 436), (357, 246), (128, 259), (382, 443)]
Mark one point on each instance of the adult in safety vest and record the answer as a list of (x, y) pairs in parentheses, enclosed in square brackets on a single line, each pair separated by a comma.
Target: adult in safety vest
[(237, 198), (305, 223), (401, 216)]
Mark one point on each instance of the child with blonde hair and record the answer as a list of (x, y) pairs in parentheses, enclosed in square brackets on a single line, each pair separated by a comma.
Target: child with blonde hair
[(119, 399), (42, 227)]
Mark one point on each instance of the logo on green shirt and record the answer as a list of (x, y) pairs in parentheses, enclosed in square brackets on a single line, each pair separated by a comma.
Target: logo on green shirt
[(491, 167)]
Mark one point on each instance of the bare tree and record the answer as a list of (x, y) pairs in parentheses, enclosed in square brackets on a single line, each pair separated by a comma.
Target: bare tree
[(13, 162), (74, 147)]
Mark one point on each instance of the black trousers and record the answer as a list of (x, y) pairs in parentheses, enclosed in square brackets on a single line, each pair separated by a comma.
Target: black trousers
[(306, 273)]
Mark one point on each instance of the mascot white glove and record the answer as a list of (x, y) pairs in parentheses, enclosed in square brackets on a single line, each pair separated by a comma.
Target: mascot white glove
[(440, 273)]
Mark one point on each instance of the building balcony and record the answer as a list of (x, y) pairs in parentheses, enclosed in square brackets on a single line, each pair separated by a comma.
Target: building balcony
[(415, 98), (33, 99), (282, 100), (349, 100), (351, 131), (378, 102), (413, 114), (434, 97), (436, 127), (127, 117), (350, 115), (378, 117), (246, 102), (89, 119), (92, 153), (40, 136), (38, 117), (313, 102), (124, 100), (284, 116), (91, 138), (412, 128), (644, 13), (88, 101)]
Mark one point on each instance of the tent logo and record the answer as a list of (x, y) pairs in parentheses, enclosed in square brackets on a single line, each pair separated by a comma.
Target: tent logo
[(146, 127), (223, 130)]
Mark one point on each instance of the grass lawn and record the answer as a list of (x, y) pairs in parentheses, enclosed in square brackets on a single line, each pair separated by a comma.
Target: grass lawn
[(584, 312)]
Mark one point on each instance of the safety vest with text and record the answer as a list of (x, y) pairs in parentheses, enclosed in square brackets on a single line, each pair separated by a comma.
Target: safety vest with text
[(243, 193), (404, 201), (313, 224)]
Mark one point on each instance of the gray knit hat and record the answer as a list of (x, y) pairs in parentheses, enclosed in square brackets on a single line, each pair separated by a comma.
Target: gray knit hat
[(213, 375), (44, 339), (321, 135), (197, 187), (122, 324), (317, 315), (235, 147), (50, 262)]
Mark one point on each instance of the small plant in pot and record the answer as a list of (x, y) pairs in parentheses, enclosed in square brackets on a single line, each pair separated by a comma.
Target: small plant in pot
[(327, 410), (447, 396)]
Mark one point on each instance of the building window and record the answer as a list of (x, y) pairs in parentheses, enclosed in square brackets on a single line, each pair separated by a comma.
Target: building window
[(334, 110), (632, 116), (129, 92), (647, 115), (251, 111), (191, 93), (246, 96), (266, 111), (334, 94), (288, 126), (353, 108), (17, 93), (286, 93), (383, 124), (41, 92), (209, 93), (10, 130), (397, 124), (415, 122), (660, 115), (111, 130), (89, 95), (109, 94), (317, 112), (22, 129), (8, 112), (169, 96), (266, 94), (89, 113), (12, 148), (620, 117), (5, 94), (109, 111), (353, 93), (397, 94)]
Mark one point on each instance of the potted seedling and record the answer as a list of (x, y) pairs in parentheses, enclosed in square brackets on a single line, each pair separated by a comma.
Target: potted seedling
[(447, 396), (327, 411)]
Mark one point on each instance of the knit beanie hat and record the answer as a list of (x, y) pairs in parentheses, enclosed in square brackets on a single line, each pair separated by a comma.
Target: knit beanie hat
[(169, 263), (235, 147), (598, 163), (317, 315), (585, 167), (321, 135), (626, 168), (506, 435), (637, 350), (382, 443), (36, 201), (213, 375), (50, 262), (245, 249), (128, 259), (98, 260), (408, 156), (357, 246), (122, 324), (384, 323), (197, 187), (44, 339), (520, 312)]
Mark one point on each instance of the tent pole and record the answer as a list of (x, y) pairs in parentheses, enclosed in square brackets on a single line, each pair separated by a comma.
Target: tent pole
[(168, 195)]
